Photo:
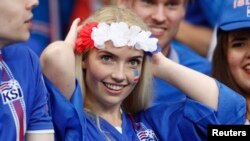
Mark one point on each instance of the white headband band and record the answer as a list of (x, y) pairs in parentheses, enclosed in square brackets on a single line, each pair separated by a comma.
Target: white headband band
[(119, 33)]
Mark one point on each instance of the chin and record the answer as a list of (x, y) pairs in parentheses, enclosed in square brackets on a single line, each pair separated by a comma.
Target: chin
[(24, 37)]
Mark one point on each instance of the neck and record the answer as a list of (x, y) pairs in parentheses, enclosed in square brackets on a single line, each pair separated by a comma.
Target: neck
[(111, 114), (112, 117), (165, 50)]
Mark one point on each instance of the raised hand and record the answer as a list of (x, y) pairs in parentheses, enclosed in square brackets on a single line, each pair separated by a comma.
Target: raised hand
[(73, 32), (58, 61)]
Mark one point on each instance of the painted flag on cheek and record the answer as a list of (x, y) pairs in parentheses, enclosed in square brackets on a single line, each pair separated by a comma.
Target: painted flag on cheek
[(136, 75)]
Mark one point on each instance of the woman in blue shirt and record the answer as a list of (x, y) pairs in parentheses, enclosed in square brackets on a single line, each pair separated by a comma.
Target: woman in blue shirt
[(113, 62)]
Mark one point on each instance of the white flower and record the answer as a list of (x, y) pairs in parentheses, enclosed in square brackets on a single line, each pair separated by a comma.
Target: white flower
[(119, 34), (146, 43), (100, 35), (123, 35), (134, 33)]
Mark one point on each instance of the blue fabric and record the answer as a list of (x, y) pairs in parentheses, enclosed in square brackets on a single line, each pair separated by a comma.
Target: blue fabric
[(165, 92), (236, 14), (181, 121), (25, 67), (67, 120), (40, 33), (204, 12)]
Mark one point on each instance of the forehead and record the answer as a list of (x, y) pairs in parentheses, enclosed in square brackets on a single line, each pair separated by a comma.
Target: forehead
[(184, 1), (122, 52)]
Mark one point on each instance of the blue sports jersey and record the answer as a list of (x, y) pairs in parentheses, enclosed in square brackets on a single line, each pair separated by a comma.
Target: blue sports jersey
[(182, 121), (183, 55), (23, 95)]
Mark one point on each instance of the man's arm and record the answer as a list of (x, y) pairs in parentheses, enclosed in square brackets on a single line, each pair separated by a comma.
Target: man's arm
[(40, 137)]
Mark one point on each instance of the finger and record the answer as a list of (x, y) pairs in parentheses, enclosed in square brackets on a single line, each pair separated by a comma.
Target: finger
[(72, 34)]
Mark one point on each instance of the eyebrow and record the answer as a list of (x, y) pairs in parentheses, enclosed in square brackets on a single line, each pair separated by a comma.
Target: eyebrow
[(235, 38), (107, 52)]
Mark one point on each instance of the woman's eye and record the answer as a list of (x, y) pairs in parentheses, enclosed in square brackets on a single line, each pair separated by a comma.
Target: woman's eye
[(240, 44), (134, 62), (171, 5), (106, 58), (148, 1)]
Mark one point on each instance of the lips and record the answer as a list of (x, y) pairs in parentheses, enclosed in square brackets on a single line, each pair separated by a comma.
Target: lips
[(29, 24), (28, 19), (114, 87), (247, 68), (157, 31)]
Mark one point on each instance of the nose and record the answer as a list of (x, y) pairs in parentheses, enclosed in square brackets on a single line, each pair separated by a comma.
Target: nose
[(30, 4), (118, 74), (159, 13)]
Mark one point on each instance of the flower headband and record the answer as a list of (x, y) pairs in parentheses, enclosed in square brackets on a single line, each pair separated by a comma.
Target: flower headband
[(96, 34)]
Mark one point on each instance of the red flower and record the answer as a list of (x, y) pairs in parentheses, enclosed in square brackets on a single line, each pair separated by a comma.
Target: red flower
[(84, 39)]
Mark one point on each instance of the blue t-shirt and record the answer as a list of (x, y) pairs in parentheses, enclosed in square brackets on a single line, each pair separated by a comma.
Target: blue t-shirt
[(24, 100), (182, 121), (179, 53)]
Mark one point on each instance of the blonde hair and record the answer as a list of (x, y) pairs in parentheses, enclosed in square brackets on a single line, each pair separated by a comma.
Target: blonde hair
[(141, 97)]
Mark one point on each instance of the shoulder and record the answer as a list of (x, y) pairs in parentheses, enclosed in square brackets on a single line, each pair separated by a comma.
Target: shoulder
[(19, 53), (23, 63), (231, 106), (187, 117)]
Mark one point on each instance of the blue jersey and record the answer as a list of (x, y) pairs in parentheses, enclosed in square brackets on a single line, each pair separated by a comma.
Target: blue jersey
[(183, 55), (23, 100), (182, 121)]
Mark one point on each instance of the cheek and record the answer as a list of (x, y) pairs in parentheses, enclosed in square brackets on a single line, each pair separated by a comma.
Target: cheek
[(6, 23), (14, 29), (175, 16), (96, 73), (136, 75), (233, 59)]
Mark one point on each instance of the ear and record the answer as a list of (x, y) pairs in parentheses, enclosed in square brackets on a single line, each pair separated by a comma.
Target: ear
[(124, 3)]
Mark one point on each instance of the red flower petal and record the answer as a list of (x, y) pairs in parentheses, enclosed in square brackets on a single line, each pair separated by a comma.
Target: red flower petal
[(84, 39)]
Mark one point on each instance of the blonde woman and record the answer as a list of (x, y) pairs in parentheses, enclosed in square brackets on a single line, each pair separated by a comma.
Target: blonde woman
[(110, 70)]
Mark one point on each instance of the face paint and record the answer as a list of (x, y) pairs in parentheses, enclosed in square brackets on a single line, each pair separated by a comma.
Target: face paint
[(136, 75)]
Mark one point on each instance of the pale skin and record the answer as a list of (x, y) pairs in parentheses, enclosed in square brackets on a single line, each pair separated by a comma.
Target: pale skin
[(205, 89), (39, 137), (111, 72), (15, 17)]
